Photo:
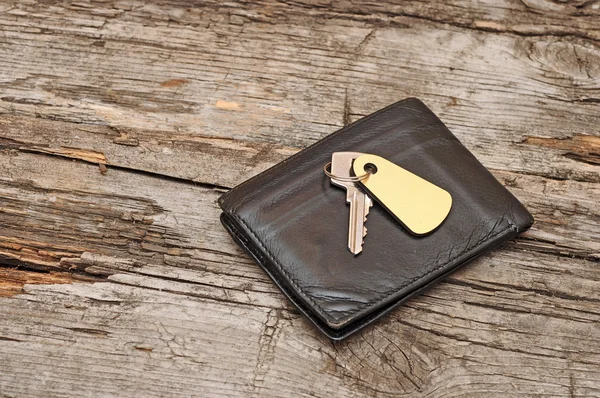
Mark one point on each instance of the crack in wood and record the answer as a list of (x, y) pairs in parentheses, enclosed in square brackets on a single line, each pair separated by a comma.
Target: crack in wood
[(579, 147), (85, 155), (551, 247), (267, 344), (361, 46), (93, 332), (346, 119), (493, 345), (529, 289), (92, 156), (3, 338), (12, 280)]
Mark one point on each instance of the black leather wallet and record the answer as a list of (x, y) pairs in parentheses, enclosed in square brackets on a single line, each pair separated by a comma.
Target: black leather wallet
[(294, 223)]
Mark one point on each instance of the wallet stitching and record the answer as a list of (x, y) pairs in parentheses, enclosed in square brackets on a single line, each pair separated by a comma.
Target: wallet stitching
[(378, 299), (316, 144)]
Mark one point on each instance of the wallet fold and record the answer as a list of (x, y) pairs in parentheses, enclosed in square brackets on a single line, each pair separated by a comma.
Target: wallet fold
[(294, 222)]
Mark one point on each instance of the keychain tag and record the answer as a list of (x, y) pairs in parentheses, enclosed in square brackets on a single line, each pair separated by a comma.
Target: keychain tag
[(416, 203)]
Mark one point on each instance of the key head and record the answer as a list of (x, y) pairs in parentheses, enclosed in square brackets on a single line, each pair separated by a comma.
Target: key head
[(418, 204), (341, 165)]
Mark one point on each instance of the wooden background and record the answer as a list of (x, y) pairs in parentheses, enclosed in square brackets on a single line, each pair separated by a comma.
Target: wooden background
[(121, 122)]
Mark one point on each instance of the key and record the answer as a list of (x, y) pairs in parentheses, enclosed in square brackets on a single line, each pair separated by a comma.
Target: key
[(360, 203)]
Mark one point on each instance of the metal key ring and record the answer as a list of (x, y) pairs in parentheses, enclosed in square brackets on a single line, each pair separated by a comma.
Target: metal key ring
[(345, 179)]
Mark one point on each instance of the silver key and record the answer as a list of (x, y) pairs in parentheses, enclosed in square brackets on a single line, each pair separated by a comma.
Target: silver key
[(360, 203)]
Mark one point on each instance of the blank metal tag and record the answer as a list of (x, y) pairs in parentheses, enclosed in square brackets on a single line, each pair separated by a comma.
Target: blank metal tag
[(416, 203)]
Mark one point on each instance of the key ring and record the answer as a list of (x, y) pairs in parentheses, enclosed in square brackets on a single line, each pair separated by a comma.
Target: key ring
[(345, 179)]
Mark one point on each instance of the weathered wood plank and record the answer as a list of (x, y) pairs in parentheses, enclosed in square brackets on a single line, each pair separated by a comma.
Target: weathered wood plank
[(121, 222), (525, 18), (179, 101), (169, 264), (214, 161), (293, 83), (112, 340), (132, 341), (566, 211), (13, 280)]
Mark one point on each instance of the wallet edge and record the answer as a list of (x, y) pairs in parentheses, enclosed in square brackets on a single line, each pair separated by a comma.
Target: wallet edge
[(324, 321), (373, 314)]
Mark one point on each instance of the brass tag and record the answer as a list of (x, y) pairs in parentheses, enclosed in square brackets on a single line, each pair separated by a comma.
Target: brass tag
[(416, 203)]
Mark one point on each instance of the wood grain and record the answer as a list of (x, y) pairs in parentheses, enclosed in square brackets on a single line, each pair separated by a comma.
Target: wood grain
[(121, 122), (293, 83), (148, 242)]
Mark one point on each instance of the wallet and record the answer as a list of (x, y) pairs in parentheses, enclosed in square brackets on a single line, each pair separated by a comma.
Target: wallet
[(294, 222)]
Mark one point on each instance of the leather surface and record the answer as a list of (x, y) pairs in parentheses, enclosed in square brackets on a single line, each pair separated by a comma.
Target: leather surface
[(295, 223)]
